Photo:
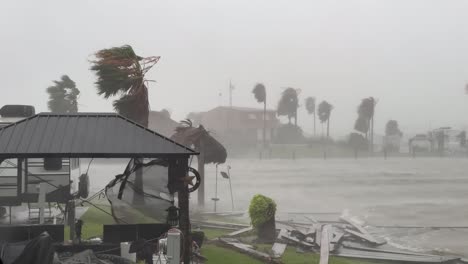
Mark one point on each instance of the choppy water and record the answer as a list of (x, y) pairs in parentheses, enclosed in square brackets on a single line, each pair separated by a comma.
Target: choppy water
[(395, 192)]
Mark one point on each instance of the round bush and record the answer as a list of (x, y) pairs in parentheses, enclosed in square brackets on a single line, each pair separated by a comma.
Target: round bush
[(261, 210)]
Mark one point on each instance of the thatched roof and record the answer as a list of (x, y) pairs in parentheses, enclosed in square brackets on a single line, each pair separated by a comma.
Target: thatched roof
[(212, 149)]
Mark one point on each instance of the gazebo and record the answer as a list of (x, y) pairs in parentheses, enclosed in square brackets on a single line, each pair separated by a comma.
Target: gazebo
[(96, 135)]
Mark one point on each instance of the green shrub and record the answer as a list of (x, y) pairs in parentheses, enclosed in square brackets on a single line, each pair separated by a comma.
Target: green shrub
[(261, 210)]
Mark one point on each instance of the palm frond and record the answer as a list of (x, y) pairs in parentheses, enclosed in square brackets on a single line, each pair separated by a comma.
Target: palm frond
[(259, 92), (310, 104), (121, 72), (289, 102), (63, 96), (324, 111)]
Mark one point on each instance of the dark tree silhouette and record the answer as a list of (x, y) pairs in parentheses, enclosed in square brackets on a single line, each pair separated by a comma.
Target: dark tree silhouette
[(259, 92), (310, 107), (121, 73), (63, 96), (324, 112), (392, 129), (365, 120), (288, 104)]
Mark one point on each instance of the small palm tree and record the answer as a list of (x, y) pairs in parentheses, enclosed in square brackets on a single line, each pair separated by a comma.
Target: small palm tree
[(63, 96), (259, 92), (310, 107), (392, 128), (365, 116), (121, 73), (365, 121), (288, 104), (324, 112)]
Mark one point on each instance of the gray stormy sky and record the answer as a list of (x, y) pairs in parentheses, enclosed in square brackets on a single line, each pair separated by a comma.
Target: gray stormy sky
[(410, 54)]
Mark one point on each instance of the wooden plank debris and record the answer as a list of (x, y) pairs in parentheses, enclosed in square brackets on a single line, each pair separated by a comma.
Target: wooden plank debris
[(246, 249), (325, 245), (362, 232), (365, 237), (361, 254), (318, 235), (282, 232), (357, 246), (296, 241), (335, 239), (278, 249), (240, 232)]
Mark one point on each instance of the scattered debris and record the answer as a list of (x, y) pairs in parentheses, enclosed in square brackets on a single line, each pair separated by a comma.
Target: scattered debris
[(344, 238), (362, 254), (241, 231), (325, 245), (278, 249), (246, 249), (362, 233), (218, 225)]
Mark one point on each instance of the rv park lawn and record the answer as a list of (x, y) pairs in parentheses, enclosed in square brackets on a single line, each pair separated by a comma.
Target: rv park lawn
[(94, 219)]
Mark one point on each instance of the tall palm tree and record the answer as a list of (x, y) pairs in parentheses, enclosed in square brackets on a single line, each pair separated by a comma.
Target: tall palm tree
[(365, 121), (121, 73), (310, 107), (288, 104), (63, 96), (259, 92), (324, 112)]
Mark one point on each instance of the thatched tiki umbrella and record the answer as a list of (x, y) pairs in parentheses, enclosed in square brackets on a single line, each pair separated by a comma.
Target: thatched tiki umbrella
[(211, 151)]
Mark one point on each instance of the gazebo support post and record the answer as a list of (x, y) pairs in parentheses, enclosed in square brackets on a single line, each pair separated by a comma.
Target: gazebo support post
[(178, 172)]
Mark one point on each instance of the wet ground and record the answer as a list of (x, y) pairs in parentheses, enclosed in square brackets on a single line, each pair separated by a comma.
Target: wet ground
[(398, 192)]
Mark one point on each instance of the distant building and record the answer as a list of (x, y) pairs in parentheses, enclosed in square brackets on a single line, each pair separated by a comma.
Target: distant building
[(238, 126), (161, 122)]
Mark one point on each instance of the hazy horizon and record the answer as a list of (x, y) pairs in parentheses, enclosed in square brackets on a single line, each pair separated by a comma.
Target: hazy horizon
[(408, 54)]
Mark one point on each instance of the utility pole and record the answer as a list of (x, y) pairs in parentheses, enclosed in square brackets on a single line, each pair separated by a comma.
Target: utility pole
[(231, 87)]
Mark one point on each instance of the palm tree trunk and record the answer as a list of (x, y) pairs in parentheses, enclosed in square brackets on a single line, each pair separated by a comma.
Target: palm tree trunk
[(264, 123), (372, 134), (295, 117), (315, 132), (328, 127), (144, 116)]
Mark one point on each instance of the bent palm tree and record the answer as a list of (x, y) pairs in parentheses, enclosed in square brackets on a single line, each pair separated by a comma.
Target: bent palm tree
[(121, 73), (365, 115), (310, 107), (63, 96), (324, 112), (288, 104), (365, 121), (259, 92)]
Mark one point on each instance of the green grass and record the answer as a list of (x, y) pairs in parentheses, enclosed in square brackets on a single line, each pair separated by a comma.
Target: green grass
[(211, 233), (290, 256), (216, 255), (94, 219)]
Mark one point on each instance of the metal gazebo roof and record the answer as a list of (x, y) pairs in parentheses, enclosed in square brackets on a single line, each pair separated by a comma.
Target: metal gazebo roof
[(83, 135)]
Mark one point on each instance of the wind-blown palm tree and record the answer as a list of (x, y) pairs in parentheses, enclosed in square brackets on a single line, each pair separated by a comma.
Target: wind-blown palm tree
[(121, 73), (310, 107), (324, 112), (259, 92), (392, 128), (365, 120), (288, 104), (63, 96)]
